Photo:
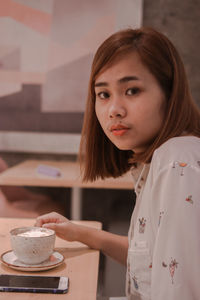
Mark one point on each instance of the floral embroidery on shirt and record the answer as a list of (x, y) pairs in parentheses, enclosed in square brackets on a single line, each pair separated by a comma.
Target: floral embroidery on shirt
[(164, 264), (135, 282), (150, 266), (182, 165), (142, 224), (189, 199), (160, 216), (172, 266), (138, 188)]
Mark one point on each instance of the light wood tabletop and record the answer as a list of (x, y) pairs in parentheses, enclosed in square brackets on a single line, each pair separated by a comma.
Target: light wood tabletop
[(26, 174), (80, 264)]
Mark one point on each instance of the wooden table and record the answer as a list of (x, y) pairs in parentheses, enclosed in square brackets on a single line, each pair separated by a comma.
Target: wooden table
[(80, 265), (25, 174)]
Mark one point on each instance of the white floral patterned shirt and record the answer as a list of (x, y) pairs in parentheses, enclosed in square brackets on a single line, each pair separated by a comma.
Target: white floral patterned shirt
[(164, 236)]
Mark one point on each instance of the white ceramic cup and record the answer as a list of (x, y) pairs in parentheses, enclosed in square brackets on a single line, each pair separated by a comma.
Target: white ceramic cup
[(32, 245)]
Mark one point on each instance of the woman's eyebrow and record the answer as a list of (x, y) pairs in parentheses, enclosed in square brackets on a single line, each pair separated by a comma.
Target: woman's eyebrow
[(127, 79), (99, 84), (121, 80)]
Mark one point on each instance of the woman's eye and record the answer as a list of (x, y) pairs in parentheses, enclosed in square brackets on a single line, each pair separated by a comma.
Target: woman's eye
[(132, 91), (103, 95)]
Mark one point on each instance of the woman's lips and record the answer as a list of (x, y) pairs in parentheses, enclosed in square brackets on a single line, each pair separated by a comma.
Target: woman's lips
[(118, 130)]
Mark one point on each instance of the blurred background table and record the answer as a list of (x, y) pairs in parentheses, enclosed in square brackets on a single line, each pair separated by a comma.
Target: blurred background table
[(25, 174), (80, 265)]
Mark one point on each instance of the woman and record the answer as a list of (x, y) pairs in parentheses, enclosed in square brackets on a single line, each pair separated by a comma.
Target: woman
[(140, 116)]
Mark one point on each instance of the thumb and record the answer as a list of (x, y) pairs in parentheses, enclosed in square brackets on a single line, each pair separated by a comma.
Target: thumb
[(58, 228)]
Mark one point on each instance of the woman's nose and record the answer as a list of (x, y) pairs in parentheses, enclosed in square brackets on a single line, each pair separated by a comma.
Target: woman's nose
[(117, 110)]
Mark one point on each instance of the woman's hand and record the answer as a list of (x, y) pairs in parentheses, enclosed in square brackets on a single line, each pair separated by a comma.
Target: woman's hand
[(62, 226), (111, 244)]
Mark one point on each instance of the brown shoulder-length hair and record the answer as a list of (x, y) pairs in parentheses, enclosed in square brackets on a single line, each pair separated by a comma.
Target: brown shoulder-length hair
[(99, 157)]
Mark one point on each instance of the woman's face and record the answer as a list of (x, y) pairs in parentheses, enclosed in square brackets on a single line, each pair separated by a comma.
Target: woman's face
[(130, 104)]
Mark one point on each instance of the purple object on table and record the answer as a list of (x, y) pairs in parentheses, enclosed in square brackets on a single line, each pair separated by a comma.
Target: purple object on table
[(49, 171)]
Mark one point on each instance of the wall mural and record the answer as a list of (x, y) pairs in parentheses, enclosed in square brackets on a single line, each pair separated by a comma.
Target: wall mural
[(46, 49)]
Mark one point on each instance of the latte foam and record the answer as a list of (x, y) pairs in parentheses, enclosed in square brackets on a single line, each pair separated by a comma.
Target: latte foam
[(34, 233)]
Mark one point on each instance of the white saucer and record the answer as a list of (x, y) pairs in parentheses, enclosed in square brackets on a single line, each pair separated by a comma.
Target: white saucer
[(10, 260)]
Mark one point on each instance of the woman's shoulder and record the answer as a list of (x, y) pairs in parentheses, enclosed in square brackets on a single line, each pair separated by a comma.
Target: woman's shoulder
[(185, 149), (180, 143)]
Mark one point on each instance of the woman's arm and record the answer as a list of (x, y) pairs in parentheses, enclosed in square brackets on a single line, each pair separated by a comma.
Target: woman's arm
[(110, 244)]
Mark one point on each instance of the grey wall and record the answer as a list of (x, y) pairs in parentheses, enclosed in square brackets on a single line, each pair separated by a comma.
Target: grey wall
[(180, 21)]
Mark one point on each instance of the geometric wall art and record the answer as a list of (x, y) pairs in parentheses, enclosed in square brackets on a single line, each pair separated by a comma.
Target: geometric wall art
[(46, 50)]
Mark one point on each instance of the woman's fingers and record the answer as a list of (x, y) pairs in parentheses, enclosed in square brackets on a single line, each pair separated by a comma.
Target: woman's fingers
[(49, 218), (61, 225)]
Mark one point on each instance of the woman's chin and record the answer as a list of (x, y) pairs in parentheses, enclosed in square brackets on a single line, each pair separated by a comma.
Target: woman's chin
[(123, 147)]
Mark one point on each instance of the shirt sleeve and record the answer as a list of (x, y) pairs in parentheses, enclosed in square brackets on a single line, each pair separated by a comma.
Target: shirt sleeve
[(175, 211)]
